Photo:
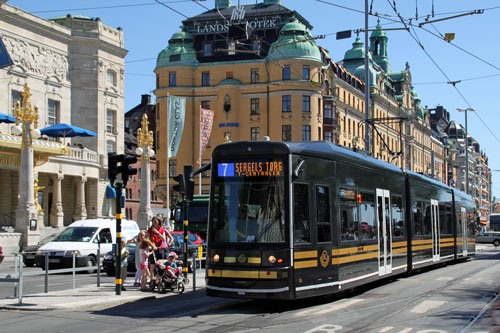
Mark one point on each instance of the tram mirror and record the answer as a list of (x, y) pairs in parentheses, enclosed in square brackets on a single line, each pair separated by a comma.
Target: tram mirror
[(298, 169)]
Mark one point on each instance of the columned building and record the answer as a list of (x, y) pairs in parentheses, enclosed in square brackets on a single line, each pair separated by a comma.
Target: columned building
[(74, 66)]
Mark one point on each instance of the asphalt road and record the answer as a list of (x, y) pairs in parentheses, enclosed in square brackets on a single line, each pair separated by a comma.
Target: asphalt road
[(447, 299)]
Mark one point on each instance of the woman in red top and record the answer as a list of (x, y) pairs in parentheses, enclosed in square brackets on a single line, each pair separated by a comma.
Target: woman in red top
[(162, 240)]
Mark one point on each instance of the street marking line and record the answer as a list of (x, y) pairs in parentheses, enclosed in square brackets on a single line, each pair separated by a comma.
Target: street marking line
[(426, 306), (329, 308), (386, 329)]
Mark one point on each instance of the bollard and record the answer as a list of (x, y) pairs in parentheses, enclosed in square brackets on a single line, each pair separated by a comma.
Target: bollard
[(20, 292), (194, 271), (99, 264), (74, 266), (46, 272), (16, 264)]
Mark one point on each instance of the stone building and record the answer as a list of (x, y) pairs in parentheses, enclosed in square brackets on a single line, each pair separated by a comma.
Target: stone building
[(74, 66)]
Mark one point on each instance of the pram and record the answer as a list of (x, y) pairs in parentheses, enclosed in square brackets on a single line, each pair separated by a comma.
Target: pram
[(168, 283)]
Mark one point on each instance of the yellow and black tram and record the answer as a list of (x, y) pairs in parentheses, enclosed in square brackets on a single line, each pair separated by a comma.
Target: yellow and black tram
[(294, 220)]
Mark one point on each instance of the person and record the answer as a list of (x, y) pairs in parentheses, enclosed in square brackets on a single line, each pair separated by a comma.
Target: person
[(124, 262), (171, 266), (138, 274), (145, 249), (161, 240)]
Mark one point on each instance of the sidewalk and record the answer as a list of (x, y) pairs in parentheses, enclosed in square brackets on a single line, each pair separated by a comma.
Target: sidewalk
[(90, 296)]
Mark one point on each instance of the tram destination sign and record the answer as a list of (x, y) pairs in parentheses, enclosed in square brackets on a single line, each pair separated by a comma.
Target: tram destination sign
[(250, 169)]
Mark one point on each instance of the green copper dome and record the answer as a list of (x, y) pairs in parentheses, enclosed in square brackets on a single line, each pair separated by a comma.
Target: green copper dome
[(378, 33), (357, 51), (294, 43), (180, 51)]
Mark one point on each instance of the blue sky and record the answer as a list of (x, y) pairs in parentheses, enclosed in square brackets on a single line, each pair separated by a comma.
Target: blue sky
[(471, 58)]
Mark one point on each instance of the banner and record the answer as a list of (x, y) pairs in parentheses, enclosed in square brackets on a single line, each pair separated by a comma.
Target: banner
[(176, 117), (207, 120)]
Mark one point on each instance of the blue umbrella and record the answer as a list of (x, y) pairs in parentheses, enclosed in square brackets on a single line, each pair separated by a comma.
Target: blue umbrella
[(65, 130), (5, 118)]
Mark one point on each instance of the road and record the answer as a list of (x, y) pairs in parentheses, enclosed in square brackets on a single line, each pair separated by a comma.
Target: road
[(439, 300)]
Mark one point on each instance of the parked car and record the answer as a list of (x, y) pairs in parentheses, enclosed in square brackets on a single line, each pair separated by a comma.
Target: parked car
[(193, 237), (29, 252), (83, 238), (489, 237), (108, 262)]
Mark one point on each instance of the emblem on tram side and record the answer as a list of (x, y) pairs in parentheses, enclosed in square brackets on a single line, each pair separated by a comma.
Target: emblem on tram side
[(241, 258), (324, 259)]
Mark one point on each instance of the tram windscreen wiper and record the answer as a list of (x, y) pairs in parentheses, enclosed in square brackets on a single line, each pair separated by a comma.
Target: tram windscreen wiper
[(277, 217)]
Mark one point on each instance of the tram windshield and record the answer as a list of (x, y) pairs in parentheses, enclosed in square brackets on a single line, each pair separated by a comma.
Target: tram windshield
[(249, 203)]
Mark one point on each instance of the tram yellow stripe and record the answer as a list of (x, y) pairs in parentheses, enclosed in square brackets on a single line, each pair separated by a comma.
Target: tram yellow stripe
[(447, 239), (305, 264), (254, 260), (272, 275), (305, 254), (422, 241), (422, 247), (229, 260), (342, 260), (399, 244), (400, 250), (240, 274), (447, 244), (214, 273)]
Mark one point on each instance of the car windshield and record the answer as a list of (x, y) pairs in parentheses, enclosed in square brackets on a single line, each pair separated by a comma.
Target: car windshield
[(48, 239), (76, 234)]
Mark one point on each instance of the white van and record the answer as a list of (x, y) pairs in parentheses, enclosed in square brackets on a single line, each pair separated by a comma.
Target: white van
[(84, 237)]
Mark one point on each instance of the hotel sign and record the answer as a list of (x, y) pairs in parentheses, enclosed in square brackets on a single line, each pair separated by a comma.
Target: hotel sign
[(222, 26)]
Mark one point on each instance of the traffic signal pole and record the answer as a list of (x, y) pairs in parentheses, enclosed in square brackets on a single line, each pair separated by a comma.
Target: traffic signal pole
[(118, 261), (185, 217)]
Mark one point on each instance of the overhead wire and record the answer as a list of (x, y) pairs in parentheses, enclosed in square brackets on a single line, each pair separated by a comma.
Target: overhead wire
[(104, 7)]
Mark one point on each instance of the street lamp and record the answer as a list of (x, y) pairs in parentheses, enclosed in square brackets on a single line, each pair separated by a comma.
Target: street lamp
[(145, 150), (466, 148)]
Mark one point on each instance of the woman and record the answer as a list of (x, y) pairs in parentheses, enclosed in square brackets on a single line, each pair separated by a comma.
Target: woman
[(138, 274)]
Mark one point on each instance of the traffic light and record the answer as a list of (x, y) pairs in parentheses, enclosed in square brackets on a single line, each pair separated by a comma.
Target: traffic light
[(126, 170), (113, 168), (188, 182), (180, 187)]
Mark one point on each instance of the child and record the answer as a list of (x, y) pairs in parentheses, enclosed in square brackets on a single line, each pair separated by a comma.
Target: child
[(145, 250), (171, 266), (124, 261)]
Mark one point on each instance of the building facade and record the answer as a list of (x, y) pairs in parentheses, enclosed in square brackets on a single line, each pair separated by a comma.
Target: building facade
[(74, 66)]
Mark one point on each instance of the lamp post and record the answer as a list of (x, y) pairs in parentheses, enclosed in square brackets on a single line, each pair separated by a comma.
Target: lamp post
[(26, 212), (145, 150), (466, 148)]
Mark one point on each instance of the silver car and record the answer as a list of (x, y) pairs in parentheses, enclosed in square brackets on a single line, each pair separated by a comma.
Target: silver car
[(489, 237)]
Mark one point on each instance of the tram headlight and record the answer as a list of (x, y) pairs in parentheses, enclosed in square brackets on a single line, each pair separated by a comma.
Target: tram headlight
[(216, 258), (271, 259)]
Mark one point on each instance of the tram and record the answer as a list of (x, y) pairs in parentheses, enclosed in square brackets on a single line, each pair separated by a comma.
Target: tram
[(301, 219)]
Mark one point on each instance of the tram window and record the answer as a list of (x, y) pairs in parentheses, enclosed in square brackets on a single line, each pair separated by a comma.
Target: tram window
[(348, 215), (427, 219), (448, 219), (417, 217), (367, 216), (397, 216), (302, 228), (323, 211)]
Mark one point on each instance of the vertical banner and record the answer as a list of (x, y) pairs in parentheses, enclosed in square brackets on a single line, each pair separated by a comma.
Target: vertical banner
[(207, 119), (176, 117)]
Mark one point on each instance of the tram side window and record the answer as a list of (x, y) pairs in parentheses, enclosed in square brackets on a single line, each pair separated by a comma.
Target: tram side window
[(398, 227), (323, 211), (445, 219), (367, 216), (302, 227), (427, 219), (348, 215), (417, 217)]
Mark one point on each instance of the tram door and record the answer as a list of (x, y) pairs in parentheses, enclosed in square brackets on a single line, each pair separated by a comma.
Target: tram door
[(463, 215), (384, 232), (436, 250)]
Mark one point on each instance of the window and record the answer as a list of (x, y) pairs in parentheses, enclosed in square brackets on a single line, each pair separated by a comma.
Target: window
[(306, 133), (254, 75), (254, 106), (319, 133), (417, 217), (110, 146), (172, 79), (111, 77), (327, 110), (52, 112), (306, 103), (254, 133), (207, 49), (286, 103), (348, 215), (231, 46), (16, 97), (328, 136), (286, 133), (205, 105), (256, 46), (286, 73), (110, 121), (367, 216), (205, 78), (398, 227), (323, 214), (172, 165), (302, 227), (306, 72), (427, 229)]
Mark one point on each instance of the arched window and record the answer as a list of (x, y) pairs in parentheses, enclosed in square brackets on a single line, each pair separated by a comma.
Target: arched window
[(111, 77)]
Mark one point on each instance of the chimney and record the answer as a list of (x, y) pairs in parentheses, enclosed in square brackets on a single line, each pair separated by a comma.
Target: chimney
[(146, 99)]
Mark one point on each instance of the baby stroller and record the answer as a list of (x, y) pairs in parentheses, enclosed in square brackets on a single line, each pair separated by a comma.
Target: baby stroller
[(171, 283)]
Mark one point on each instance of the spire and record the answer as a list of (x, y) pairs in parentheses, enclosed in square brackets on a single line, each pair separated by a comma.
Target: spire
[(378, 48)]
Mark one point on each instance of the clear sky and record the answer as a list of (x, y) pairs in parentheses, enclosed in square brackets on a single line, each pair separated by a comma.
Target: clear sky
[(472, 57)]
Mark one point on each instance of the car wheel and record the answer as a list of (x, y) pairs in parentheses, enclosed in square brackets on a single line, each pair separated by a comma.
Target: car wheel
[(89, 262), (496, 242)]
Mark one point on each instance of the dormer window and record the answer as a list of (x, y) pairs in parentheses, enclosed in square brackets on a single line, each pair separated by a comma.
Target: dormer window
[(111, 77)]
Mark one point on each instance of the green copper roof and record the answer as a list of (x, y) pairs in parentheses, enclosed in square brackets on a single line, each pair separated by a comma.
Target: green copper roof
[(357, 51), (378, 33), (180, 51), (415, 94), (294, 43)]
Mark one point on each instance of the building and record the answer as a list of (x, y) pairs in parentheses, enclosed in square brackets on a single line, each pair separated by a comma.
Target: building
[(74, 66)]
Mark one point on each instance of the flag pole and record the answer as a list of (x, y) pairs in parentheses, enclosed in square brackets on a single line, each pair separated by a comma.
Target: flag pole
[(200, 151), (168, 163)]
